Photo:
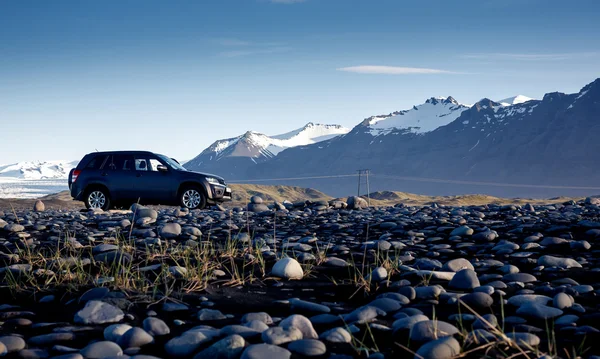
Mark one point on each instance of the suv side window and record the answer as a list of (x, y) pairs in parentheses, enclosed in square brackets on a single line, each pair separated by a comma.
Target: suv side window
[(118, 163), (154, 163), (96, 162), (141, 164)]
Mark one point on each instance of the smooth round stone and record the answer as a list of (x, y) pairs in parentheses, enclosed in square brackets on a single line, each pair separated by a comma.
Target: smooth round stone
[(379, 274), (408, 323), (427, 264), (568, 319), (363, 314), (477, 300), (69, 356), (261, 316), (115, 331), (135, 338), (487, 322), (509, 269), (551, 261), (99, 350), (487, 236), (395, 296), (256, 200), (562, 301), (13, 343), (50, 339), (308, 347), (308, 306), (94, 294), (408, 291), (336, 335), (210, 315), (288, 268), (241, 330), (335, 262), (553, 241), (386, 304), (488, 289), (443, 348), (170, 230), (478, 337), (462, 231), (228, 348), (155, 326), (302, 323), (539, 311), (521, 299), (519, 277), (464, 279), (279, 335), (262, 351), (257, 325), (456, 265), (431, 329), (96, 312), (430, 292), (186, 344), (524, 340)]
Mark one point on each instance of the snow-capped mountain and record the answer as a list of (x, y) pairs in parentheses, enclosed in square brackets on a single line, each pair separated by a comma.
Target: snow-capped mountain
[(434, 113), (36, 170), (549, 145), (232, 156), (515, 100)]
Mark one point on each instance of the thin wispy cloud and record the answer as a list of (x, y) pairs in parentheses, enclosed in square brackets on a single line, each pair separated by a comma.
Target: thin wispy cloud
[(530, 56), (392, 70), (234, 47)]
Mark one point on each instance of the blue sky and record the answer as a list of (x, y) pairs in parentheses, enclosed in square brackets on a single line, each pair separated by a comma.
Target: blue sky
[(175, 76)]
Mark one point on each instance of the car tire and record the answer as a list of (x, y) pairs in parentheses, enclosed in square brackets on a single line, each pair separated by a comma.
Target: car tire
[(97, 198), (192, 198)]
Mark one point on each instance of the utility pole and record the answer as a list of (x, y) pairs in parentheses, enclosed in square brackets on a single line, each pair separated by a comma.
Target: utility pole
[(364, 172)]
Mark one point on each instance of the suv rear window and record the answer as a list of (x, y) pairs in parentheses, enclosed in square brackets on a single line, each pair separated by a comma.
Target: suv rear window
[(119, 163), (96, 162)]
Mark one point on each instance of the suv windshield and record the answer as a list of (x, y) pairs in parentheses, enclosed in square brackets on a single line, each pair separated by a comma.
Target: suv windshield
[(173, 164)]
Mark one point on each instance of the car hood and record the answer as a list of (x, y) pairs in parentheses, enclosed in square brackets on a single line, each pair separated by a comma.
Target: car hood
[(221, 179)]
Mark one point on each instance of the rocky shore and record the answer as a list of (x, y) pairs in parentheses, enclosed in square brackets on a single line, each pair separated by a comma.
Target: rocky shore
[(321, 279)]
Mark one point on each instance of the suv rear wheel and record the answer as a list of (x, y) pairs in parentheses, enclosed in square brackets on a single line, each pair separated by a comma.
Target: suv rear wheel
[(97, 198), (192, 198)]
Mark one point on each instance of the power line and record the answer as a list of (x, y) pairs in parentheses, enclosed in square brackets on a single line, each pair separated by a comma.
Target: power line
[(291, 178), (476, 183), (420, 179)]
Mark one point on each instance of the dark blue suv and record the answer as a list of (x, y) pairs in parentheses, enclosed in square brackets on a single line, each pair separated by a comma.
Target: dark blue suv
[(105, 179)]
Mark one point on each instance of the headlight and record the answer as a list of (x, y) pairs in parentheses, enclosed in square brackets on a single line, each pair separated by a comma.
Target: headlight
[(212, 180)]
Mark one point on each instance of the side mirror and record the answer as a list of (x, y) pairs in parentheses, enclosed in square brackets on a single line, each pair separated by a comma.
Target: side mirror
[(162, 168)]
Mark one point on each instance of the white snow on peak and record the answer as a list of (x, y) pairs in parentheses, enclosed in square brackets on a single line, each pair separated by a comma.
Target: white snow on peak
[(272, 145), (36, 170), (515, 100), (434, 113)]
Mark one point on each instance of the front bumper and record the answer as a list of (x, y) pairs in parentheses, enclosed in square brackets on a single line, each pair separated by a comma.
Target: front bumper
[(220, 193)]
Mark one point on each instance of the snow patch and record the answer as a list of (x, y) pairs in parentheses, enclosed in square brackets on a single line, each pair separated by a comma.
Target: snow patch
[(37, 170), (434, 113), (515, 100)]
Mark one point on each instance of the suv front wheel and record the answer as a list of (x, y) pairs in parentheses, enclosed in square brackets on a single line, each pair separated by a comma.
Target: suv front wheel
[(97, 198), (192, 198)]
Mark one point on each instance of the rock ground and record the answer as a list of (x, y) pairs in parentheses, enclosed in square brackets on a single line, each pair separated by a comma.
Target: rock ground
[(301, 279)]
